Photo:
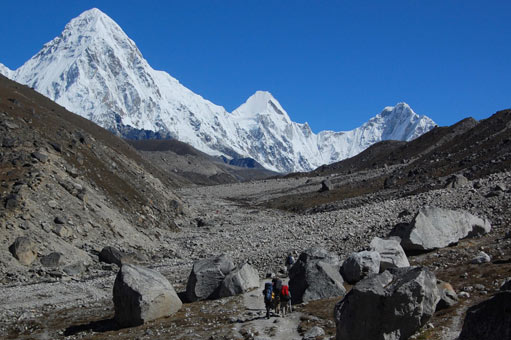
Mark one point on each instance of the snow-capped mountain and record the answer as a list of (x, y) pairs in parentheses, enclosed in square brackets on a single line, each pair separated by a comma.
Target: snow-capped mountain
[(4, 70), (94, 69)]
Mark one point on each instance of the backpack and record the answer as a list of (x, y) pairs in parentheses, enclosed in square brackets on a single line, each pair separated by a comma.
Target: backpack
[(285, 291), (277, 285), (268, 292)]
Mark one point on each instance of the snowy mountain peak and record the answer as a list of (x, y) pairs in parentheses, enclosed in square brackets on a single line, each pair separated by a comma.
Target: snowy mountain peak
[(5, 71), (262, 103), (95, 70)]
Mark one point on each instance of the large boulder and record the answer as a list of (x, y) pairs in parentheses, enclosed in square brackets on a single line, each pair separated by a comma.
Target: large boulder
[(389, 306), (207, 276), (359, 265), (111, 255), (141, 295), (434, 228), (315, 275), (391, 253), (491, 319), (239, 281), (24, 250)]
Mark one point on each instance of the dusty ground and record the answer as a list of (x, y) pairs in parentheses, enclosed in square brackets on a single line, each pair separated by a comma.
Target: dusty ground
[(235, 220)]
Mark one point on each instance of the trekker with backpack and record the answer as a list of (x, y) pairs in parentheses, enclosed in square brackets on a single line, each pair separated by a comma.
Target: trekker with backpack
[(290, 260), (277, 287), (285, 300), (269, 296)]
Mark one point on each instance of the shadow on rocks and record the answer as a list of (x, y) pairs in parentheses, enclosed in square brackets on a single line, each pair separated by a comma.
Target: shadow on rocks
[(99, 326)]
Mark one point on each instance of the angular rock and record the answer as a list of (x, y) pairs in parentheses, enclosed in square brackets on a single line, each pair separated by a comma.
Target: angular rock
[(51, 260), (41, 157), (358, 265), (207, 276), (313, 333), (314, 276), (62, 231), (506, 285), (74, 269), (391, 253), (481, 258), (434, 228), (24, 250), (142, 295), (111, 255), (457, 181), (391, 305), (239, 281), (448, 296), (490, 319), (326, 185)]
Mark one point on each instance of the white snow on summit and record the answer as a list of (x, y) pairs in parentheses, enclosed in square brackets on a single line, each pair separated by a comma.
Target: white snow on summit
[(95, 70), (5, 71)]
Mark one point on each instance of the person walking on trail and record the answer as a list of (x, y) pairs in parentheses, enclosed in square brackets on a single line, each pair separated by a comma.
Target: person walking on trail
[(290, 260), (269, 296), (277, 287), (285, 300)]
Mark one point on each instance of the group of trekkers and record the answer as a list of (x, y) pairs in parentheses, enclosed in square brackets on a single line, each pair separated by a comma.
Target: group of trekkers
[(276, 295)]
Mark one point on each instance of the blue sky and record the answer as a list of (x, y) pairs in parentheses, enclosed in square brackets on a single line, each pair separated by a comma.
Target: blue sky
[(333, 64)]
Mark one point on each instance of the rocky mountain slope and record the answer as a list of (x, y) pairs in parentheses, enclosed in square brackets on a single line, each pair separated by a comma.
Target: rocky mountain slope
[(72, 187), (95, 70)]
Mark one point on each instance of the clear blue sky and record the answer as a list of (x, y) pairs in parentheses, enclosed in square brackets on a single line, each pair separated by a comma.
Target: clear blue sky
[(334, 64)]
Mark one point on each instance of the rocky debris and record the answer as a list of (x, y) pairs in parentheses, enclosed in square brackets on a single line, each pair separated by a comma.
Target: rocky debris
[(359, 265), (111, 255), (51, 260), (481, 258), (24, 250), (448, 296), (41, 157), (457, 181), (315, 275), (142, 295), (434, 228), (207, 276), (391, 305), (313, 333), (74, 269), (326, 185), (489, 319), (239, 281), (391, 253), (506, 285), (62, 231)]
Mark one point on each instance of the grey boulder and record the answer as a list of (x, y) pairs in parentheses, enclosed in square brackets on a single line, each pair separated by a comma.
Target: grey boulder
[(51, 260), (481, 258), (206, 277), (358, 265), (489, 319), (389, 306), (142, 295), (111, 255), (314, 276), (24, 250), (434, 228), (239, 281), (391, 253)]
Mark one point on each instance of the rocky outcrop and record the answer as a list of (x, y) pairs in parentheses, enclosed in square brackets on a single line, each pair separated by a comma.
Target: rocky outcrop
[(391, 305), (315, 275), (490, 319), (358, 265), (391, 253), (24, 250), (434, 228), (111, 255), (141, 295), (239, 281), (207, 276)]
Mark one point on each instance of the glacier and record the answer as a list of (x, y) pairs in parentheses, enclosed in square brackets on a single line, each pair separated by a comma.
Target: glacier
[(95, 70)]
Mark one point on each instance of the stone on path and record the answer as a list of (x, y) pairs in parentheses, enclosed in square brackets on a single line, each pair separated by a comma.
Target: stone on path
[(51, 260), (391, 253), (434, 228), (207, 276), (391, 305), (142, 295), (314, 276), (481, 258), (448, 296)]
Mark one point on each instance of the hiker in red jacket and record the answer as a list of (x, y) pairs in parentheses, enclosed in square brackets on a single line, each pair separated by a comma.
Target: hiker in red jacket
[(285, 300)]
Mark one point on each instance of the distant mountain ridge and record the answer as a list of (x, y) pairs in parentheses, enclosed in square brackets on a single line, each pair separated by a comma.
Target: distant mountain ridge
[(95, 70)]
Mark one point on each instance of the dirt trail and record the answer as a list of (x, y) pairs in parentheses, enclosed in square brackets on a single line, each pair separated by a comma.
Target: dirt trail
[(276, 327)]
